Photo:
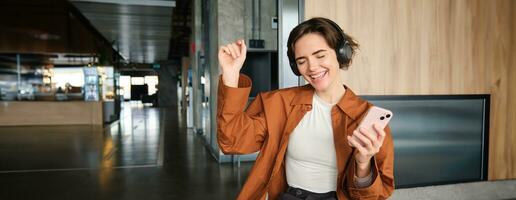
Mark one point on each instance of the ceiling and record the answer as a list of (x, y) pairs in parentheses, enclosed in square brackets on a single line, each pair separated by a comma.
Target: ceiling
[(140, 30)]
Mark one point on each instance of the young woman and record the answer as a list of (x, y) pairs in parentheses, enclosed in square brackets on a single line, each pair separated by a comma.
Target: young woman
[(310, 145)]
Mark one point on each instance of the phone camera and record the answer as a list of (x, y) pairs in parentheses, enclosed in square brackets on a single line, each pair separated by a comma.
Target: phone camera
[(388, 115), (382, 118)]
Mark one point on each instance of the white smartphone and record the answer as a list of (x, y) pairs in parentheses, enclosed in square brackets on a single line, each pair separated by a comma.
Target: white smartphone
[(376, 115)]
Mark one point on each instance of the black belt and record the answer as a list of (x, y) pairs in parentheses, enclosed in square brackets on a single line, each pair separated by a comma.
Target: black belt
[(293, 193)]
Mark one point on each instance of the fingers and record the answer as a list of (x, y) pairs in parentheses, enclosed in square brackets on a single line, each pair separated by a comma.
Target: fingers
[(380, 132), (235, 49), (357, 141), (224, 50), (356, 144), (227, 49), (366, 142), (375, 138), (243, 47), (349, 141), (232, 50), (369, 136)]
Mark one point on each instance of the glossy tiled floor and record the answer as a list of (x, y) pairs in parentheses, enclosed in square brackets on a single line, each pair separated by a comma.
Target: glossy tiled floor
[(149, 154)]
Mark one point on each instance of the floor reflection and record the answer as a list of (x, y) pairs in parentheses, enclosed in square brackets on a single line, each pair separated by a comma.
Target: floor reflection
[(50, 147), (149, 154), (133, 141)]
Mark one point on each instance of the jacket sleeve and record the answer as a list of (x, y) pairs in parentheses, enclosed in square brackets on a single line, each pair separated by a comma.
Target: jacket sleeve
[(239, 130), (382, 166)]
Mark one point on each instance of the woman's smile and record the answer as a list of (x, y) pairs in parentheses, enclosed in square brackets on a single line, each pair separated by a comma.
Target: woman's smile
[(319, 75)]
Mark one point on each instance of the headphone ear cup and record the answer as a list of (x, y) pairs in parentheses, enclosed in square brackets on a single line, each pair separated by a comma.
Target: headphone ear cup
[(344, 54), (348, 52)]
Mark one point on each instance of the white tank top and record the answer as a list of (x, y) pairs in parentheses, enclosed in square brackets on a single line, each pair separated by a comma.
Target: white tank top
[(311, 162)]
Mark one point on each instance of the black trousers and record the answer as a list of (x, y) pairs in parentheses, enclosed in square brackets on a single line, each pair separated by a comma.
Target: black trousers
[(293, 193)]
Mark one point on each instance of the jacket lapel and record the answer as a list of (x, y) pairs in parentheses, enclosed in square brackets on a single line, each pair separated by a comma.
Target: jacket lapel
[(301, 103)]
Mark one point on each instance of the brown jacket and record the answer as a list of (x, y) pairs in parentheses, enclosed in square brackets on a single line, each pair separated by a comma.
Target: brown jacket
[(266, 124)]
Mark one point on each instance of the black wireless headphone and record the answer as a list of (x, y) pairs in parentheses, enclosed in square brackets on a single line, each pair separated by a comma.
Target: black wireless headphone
[(343, 50)]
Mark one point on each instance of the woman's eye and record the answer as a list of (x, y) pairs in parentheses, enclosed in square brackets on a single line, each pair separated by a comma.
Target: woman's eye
[(320, 56), (300, 62)]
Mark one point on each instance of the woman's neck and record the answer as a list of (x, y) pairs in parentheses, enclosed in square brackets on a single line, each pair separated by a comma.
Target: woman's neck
[(333, 94)]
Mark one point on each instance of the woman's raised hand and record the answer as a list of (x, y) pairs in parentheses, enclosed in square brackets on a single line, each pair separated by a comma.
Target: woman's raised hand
[(231, 60)]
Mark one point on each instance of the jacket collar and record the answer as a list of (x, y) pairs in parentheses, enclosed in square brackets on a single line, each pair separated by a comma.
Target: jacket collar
[(350, 103)]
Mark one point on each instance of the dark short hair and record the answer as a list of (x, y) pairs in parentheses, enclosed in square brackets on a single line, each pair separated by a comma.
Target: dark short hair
[(323, 27)]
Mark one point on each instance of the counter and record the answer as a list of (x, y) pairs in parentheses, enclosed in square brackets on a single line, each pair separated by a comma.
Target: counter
[(22, 113)]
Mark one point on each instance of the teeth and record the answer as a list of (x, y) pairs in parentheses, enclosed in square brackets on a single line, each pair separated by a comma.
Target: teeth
[(316, 76)]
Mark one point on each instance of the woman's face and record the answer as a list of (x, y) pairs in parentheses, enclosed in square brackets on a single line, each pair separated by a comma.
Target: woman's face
[(317, 62)]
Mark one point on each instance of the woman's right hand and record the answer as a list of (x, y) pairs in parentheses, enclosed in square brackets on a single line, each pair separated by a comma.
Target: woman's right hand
[(231, 60)]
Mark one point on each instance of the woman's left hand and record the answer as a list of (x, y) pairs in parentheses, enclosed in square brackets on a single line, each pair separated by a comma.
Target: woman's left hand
[(367, 143)]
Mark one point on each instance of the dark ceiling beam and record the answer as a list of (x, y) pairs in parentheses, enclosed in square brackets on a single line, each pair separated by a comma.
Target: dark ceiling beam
[(77, 13), (141, 34), (181, 30), (50, 27)]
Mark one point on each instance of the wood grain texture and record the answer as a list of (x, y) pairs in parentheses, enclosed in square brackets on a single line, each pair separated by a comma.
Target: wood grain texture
[(436, 47), (27, 113)]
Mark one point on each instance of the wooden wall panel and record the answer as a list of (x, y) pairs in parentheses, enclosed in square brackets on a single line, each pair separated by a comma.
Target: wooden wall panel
[(436, 47), (510, 144)]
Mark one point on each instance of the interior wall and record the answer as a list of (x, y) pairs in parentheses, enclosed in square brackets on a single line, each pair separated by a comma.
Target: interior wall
[(214, 69), (436, 47), (194, 64), (167, 86), (231, 20), (267, 33)]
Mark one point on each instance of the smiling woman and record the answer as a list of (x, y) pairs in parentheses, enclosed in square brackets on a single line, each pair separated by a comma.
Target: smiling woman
[(317, 63), (316, 50), (308, 137)]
